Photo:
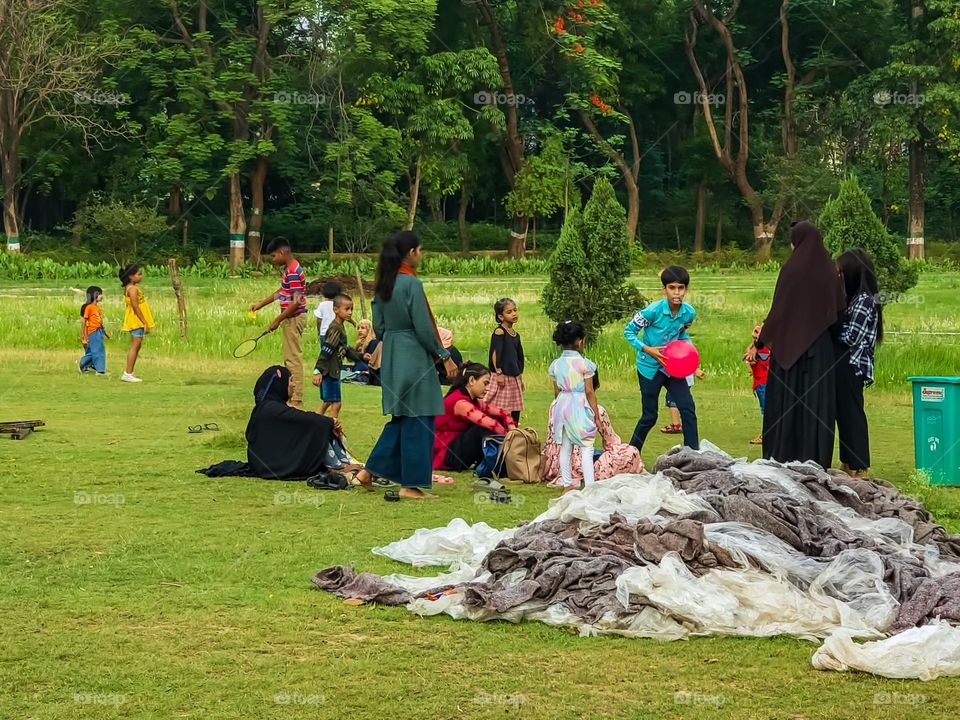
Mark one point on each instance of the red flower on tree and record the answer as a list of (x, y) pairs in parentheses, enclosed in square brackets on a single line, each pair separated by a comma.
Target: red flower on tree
[(558, 25)]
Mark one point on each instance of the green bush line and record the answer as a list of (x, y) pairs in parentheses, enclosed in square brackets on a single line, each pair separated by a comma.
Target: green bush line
[(28, 267)]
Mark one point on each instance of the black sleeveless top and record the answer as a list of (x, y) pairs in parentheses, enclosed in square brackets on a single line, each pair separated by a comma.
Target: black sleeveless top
[(509, 352)]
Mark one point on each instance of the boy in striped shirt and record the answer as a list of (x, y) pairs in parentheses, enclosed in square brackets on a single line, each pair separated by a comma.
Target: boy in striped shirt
[(292, 318)]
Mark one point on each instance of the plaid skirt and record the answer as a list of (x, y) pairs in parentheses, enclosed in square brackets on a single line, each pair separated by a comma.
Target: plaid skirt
[(508, 396)]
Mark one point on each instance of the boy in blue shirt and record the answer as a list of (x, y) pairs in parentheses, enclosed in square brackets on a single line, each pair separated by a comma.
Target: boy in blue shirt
[(650, 330)]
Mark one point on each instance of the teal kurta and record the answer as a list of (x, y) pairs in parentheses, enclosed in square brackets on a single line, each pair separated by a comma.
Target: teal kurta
[(408, 372)]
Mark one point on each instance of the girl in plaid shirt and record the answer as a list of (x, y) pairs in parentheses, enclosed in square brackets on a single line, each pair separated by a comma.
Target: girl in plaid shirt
[(860, 333)]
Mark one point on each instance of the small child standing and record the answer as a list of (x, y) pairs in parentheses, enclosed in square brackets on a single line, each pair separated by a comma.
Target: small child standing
[(92, 333), (324, 310), (759, 362), (574, 412), (506, 361), (333, 349), (659, 323), (137, 320)]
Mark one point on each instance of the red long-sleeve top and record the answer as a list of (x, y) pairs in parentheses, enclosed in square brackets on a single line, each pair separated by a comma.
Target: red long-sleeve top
[(460, 411)]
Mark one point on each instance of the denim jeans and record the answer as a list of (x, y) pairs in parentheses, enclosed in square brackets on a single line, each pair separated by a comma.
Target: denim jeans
[(96, 354), (650, 397)]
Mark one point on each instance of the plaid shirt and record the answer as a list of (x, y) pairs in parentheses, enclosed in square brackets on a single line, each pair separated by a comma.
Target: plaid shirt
[(860, 334)]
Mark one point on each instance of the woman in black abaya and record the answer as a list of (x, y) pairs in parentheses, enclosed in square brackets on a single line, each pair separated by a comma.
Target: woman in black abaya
[(801, 407), (285, 443)]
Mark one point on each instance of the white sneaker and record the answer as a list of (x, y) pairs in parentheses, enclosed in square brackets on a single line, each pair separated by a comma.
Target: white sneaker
[(130, 377)]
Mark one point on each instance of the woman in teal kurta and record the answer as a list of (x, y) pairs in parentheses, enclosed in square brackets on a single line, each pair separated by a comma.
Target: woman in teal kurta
[(411, 388)]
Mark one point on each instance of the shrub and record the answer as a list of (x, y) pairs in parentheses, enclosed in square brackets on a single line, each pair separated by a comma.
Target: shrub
[(848, 222), (590, 266), (116, 228)]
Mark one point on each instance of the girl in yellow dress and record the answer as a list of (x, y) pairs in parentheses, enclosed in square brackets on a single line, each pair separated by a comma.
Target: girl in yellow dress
[(138, 320)]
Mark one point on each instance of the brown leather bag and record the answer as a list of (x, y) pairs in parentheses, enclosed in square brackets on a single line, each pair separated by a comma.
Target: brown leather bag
[(521, 454)]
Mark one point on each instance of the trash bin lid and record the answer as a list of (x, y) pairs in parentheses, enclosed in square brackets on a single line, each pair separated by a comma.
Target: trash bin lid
[(946, 380)]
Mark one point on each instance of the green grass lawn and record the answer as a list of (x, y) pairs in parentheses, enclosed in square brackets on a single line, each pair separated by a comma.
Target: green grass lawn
[(171, 595)]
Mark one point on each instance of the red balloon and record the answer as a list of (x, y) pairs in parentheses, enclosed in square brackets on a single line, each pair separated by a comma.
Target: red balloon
[(682, 358)]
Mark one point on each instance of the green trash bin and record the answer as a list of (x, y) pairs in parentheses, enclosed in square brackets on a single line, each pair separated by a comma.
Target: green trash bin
[(936, 427)]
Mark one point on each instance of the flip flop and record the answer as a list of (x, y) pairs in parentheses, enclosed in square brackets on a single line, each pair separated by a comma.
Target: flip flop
[(488, 484), (383, 482)]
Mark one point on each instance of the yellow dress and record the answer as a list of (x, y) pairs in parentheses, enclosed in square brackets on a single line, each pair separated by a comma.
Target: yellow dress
[(130, 319)]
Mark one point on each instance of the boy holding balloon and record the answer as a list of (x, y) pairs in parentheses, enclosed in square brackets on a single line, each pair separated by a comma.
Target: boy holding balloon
[(665, 356)]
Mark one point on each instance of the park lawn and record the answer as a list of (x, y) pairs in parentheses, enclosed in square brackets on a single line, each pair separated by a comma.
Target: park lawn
[(171, 595)]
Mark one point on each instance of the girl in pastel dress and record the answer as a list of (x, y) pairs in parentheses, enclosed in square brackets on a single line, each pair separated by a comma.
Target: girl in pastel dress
[(574, 409)]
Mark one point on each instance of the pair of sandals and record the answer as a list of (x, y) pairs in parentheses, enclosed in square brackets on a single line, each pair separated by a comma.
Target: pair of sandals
[(201, 428), (329, 481), (352, 480)]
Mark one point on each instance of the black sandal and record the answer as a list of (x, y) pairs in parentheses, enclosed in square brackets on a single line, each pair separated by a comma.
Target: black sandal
[(391, 496), (500, 496)]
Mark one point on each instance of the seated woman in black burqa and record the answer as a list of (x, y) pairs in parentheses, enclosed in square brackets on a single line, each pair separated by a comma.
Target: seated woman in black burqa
[(284, 443)]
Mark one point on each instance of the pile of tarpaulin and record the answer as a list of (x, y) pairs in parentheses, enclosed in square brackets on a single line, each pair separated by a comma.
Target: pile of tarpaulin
[(706, 545)]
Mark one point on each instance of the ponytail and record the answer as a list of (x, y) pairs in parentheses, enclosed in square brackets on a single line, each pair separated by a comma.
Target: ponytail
[(395, 249)]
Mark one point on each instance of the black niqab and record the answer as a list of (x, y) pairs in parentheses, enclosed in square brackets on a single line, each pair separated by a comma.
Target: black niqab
[(808, 299), (284, 443)]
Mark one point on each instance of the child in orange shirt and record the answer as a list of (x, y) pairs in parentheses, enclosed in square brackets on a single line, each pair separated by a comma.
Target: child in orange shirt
[(92, 334)]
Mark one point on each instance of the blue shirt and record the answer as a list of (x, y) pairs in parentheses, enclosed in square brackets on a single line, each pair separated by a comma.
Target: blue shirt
[(655, 326)]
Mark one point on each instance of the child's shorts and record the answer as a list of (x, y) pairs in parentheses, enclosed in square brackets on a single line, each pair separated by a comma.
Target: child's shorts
[(761, 393), (137, 333), (330, 390), (668, 399)]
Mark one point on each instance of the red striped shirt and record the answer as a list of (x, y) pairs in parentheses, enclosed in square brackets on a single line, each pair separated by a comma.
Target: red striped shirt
[(292, 280)]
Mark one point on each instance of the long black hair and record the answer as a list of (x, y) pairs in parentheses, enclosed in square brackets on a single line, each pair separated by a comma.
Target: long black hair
[(859, 276), (395, 249), (468, 371), (92, 293), (128, 272)]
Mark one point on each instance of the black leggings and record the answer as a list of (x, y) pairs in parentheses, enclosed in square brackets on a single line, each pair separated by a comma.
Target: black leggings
[(466, 450), (851, 418)]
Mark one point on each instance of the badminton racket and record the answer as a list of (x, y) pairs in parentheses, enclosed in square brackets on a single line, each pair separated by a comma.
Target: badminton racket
[(248, 346)]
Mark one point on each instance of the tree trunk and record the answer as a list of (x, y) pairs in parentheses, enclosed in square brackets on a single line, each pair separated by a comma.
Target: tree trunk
[(628, 172), (10, 160), (718, 242), (701, 215), (534, 234), (414, 195), (915, 242), (462, 217), (330, 242), (238, 225), (763, 238), (518, 237), (175, 211), (258, 177)]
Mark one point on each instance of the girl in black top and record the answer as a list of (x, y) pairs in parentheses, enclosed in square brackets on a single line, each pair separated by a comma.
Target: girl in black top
[(506, 361)]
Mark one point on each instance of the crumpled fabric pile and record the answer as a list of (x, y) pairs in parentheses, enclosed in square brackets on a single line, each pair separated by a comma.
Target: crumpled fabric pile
[(707, 544)]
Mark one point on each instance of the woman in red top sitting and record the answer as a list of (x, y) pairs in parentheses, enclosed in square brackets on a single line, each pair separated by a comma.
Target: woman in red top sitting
[(467, 420)]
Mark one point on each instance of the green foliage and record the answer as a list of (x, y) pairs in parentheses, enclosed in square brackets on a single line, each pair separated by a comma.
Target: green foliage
[(116, 228), (590, 266), (848, 222)]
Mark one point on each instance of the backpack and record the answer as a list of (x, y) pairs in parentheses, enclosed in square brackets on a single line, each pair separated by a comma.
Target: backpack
[(492, 464), (521, 455)]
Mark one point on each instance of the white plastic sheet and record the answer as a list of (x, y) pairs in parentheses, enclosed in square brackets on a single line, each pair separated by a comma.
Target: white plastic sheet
[(777, 589), (923, 653)]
